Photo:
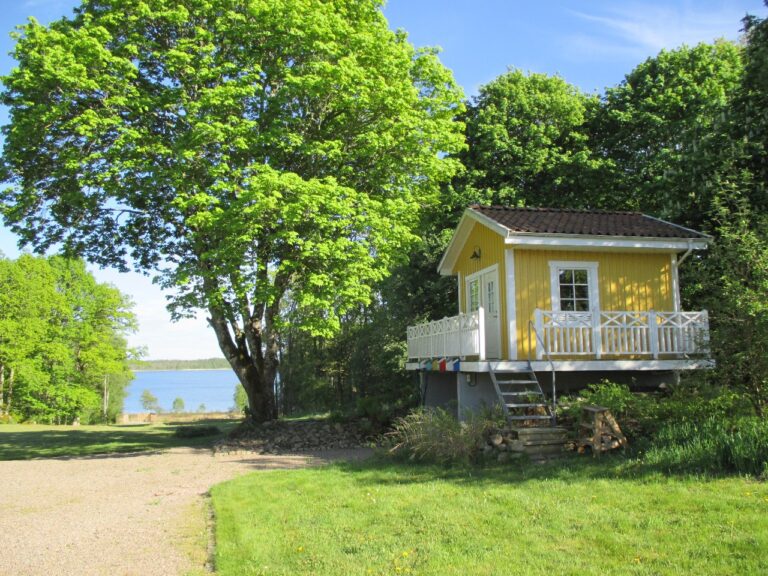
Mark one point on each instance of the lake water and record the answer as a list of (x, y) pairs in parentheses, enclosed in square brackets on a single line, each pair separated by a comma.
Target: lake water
[(214, 388)]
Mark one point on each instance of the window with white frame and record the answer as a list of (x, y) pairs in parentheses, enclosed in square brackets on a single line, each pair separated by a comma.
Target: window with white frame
[(474, 294), (574, 286)]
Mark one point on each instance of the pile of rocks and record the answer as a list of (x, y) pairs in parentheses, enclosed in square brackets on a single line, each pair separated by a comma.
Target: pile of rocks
[(279, 436), (504, 444)]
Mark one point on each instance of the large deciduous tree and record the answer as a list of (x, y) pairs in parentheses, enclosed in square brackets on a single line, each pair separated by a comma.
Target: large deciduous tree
[(241, 150), (664, 129), (528, 143)]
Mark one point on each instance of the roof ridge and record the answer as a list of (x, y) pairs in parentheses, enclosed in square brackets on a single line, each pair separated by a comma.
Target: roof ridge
[(548, 209)]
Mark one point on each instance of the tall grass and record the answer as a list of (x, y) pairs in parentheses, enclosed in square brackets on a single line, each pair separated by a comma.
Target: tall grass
[(711, 447), (436, 436)]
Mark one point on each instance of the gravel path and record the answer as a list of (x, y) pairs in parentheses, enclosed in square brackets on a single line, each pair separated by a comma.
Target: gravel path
[(118, 515)]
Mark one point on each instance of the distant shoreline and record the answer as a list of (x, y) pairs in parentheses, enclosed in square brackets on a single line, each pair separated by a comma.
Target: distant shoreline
[(179, 369)]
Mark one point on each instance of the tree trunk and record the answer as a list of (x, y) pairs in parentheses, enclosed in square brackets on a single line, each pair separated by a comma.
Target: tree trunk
[(2, 389), (255, 373), (10, 392)]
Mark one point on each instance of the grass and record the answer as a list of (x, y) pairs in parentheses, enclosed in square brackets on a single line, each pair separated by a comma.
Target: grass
[(579, 517), (26, 441)]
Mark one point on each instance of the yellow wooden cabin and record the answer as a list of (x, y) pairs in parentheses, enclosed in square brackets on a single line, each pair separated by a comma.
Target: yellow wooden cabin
[(555, 299)]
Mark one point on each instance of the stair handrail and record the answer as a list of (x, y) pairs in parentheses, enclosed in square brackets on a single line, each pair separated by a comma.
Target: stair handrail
[(540, 340)]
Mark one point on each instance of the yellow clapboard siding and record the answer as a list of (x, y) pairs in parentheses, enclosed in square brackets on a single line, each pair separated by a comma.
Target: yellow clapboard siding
[(491, 246), (627, 281)]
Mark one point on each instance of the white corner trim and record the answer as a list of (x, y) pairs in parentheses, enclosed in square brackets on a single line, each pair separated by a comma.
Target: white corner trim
[(458, 292), (509, 265), (675, 284), (554, 281)]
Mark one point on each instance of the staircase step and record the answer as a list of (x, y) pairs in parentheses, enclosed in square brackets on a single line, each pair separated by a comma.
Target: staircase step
[(533, 405), (529, 417), (517, 381), (524, 393)]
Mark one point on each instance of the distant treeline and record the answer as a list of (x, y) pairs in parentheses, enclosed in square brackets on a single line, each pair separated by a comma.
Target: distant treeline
[(202, 364)]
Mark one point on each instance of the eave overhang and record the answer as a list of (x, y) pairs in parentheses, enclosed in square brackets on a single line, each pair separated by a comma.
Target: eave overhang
[(534, 241)]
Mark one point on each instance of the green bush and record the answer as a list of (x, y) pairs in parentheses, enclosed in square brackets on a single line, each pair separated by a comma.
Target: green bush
[(713, 446), (642, 415)]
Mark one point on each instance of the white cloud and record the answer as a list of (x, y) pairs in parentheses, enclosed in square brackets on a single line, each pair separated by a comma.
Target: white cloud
[(639, 29)]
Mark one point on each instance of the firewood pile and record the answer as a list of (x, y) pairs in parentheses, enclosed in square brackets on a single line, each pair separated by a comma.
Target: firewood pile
[(599, 431)]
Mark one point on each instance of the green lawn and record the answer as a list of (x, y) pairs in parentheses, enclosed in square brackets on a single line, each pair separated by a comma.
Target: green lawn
[(580, 517), (25, 441)]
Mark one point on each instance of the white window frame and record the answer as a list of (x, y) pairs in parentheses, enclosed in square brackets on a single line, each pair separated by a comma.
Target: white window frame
[(555, 266), (478, 276)]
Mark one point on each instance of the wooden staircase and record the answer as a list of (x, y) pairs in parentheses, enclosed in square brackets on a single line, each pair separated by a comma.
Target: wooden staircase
[(521, 396)]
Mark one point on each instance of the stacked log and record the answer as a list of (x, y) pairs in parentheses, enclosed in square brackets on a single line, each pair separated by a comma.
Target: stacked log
[(599, 431), (508, 443)]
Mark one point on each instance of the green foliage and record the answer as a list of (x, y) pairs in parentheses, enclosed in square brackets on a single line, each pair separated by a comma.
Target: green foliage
[(711, 446), (616, 397), (660, 127), (149, 402), (63, 353), (245, 153), (642, 415), (240, 399), (178, 405), (528, 144)]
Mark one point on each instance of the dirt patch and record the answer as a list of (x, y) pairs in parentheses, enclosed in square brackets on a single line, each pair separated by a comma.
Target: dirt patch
[(290, 436), (126, 514)]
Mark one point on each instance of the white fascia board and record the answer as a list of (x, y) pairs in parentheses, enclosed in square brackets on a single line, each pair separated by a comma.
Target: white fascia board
[(615, 242), (460, 236), (584, 365)]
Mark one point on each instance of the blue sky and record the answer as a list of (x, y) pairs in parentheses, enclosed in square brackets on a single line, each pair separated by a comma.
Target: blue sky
[(591, 44)]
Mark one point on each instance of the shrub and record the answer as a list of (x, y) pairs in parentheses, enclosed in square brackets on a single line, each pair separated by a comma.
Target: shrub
[(434, 435), (196, 431), (642, 415), (713, 446)]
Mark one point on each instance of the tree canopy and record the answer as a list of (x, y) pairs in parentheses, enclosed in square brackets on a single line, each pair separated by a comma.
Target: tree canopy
[(242, 151), (528, 143), (63, 353)]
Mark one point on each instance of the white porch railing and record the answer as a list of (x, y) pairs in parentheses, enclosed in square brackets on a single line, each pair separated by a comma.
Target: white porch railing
[(622, 333), (457, 336)]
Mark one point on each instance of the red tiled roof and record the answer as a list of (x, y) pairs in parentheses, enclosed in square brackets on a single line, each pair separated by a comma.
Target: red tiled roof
[(583, 222)]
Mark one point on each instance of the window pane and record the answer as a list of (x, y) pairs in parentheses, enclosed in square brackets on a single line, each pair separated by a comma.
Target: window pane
[(580, 277), (566, 292), (582, 305), (566, 276), (474, 295), (491, 304), (581, 292), (566, 305)]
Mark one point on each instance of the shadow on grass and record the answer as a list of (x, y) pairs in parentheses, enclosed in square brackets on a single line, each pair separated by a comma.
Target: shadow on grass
[(382, 470), (29, 442)]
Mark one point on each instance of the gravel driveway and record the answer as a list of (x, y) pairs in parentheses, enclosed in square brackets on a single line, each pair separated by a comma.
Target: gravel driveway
[(136, 514)]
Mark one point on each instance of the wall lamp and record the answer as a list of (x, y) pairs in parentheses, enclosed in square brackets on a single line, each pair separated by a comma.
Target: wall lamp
[(475, 253)]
